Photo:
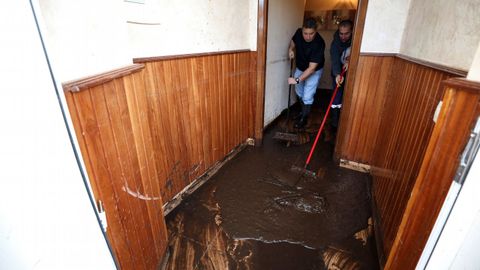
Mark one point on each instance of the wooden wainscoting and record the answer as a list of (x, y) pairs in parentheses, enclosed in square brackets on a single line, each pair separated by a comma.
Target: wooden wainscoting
[(406, 125), (122, 173), (459, 114), (366, 101), (145, 134), (386, 122), (198, 109)]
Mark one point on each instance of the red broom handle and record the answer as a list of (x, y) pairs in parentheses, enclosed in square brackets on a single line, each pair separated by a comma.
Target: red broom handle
[(324, 120)]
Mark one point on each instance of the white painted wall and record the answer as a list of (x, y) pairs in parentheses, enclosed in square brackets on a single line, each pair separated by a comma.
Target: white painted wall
[(89, 37), (443, 31), (284, 18), (86, 37), (474, 73), (165, 27), (46, 219), (384, 26)]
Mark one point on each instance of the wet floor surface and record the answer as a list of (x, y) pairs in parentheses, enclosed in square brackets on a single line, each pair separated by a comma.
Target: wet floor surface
[(255, 213)]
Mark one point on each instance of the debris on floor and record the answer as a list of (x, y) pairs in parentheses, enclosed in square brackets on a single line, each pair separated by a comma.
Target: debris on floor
[(255, 214)]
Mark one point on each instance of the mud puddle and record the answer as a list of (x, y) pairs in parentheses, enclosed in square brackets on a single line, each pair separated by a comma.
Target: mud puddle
[(256, 214)]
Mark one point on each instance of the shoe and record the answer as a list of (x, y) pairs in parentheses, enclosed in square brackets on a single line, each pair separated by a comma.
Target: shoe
[(335, 116), (301, 122)]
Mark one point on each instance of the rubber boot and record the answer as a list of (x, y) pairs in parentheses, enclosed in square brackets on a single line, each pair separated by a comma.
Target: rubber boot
[(303, 120), (335, 113), (299, 115)]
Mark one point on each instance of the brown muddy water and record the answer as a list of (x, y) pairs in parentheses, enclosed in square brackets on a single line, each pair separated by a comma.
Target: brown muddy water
[(256, 214)]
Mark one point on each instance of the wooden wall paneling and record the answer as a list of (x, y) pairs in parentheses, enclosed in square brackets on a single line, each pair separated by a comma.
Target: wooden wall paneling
[(373, 108), (407, 131), (365, 109), (157, 127), (195, 132), (397, 146), (399, 87), (147, 158), (421, 126), (227, 105), (217, 85), (407, 128), (183, 141), (169, 115), (239, 83), (460, 110), (122, 166), (196, 117), (106, 172), (81, 108), (175, 128), (189, 119), (222, 74), (205, 97), (415, 93), (72, 101)]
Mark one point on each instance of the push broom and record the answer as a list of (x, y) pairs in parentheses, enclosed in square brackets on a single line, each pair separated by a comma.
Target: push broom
[(304, 170)]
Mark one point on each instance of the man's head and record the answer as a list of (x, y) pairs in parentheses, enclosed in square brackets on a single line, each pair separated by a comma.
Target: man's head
[(345, 30), (309, 29)]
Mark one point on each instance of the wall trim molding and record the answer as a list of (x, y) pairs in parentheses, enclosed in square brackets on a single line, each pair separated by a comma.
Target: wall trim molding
[(455, 71), (436, 66), (378, 54), (463, 84), (94, 80), (182, 56)]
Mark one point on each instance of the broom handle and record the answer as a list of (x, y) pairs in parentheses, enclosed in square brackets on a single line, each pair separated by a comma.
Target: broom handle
[(323, 122), (290, 89)]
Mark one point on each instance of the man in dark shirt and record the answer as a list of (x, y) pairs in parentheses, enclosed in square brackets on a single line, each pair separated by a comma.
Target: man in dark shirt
[(308, 47), (340, 54)]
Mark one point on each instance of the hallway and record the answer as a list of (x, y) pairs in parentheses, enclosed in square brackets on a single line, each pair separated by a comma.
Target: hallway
[(256, 214)]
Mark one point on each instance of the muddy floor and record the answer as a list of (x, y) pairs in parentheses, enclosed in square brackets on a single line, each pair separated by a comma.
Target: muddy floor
[(255, 213)]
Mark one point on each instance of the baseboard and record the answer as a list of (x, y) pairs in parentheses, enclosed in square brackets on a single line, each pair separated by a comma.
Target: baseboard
[(352, 165)]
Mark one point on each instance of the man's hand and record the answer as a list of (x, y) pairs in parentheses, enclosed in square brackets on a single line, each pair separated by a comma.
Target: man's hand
[(292, 80), (291, 54), (345, 66), (339, 79)]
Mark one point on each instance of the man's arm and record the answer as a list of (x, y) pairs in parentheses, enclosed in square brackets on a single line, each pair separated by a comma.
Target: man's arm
[(335, 54), (291, 50), (311, 69)]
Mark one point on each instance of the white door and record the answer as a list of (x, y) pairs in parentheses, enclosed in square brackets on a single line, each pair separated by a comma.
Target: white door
[(47, 220)]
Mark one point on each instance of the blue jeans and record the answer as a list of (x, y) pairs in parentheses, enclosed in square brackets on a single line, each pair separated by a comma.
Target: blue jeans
[(306, 89)]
